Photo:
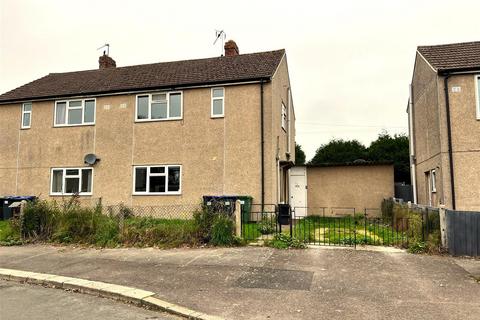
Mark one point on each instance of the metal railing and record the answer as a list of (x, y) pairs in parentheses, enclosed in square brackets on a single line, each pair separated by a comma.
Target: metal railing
[(338, 226)]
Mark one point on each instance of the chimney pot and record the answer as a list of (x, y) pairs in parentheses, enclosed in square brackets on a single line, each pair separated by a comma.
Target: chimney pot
[(105, 62), (231, 49)]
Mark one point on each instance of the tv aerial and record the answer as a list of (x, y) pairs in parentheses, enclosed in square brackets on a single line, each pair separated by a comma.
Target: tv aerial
[(220, 35), (106, 45)]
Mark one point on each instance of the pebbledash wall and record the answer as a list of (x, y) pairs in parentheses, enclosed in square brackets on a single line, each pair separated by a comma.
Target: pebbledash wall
[(430, 137), (350, 186), (218, 156)]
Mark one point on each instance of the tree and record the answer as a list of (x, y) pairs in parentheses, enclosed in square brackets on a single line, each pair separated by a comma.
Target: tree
[(339, 151), (392, 148), (299, 155)]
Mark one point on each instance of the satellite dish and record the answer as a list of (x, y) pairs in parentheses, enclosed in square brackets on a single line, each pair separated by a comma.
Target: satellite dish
[(91, 159)]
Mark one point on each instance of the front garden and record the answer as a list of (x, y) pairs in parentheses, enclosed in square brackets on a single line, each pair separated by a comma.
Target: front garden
[(68, 222)]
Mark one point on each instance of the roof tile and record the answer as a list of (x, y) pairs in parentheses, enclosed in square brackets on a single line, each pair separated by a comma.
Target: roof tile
[(453, 56), (243, 67)]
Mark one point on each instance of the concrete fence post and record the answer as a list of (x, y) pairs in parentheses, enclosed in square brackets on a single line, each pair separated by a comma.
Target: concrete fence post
[(443, 226), (238, 218), (22, 217)]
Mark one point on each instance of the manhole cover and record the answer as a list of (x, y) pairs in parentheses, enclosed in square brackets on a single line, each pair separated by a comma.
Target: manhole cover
[(267, 278)]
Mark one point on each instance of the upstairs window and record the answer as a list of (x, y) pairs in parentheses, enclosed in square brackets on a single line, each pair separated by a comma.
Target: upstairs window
[(74, 112), (26, 115), (157, 180), (284, 117), (159, 106), (69, 181), (218, 102)]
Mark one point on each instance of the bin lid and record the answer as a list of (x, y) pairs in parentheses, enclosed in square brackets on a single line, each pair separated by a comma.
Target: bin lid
[(19, 198)]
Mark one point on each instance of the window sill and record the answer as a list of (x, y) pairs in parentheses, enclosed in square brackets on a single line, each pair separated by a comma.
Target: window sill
[(158, 120), (83, 194), (157, 194), (217, 117), (73, 125), (25, 128)]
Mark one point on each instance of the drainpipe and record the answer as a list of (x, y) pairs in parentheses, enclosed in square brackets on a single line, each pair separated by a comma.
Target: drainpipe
[(262, 146), (413, 172), (449, 136)]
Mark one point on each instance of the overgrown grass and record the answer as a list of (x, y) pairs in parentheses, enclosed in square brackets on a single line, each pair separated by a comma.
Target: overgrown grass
[(335, 230), (8, 234), (69, 223)]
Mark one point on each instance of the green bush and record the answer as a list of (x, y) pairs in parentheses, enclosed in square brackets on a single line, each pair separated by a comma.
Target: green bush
[(204, 219), (417, 247), (222, 231), (283, 241), (267, 225), (9, 232), (387, 209), (39, 219)]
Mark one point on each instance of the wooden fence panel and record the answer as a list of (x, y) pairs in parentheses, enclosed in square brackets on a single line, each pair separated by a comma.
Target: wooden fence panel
[(463, 232)]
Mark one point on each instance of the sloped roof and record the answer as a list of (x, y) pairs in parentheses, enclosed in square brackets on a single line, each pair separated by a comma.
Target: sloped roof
[(245, 67), (455, 56)]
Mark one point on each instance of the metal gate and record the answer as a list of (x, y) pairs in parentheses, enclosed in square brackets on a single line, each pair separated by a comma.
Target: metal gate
[(327, 226)]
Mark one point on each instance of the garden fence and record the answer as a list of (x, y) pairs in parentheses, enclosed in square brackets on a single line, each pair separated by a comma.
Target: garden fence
[(341, 226), (463, 232)]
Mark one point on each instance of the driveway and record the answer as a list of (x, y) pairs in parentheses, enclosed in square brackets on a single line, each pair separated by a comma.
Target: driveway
[(264, 283)]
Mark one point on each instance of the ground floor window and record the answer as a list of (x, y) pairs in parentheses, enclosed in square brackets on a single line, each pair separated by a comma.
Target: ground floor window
[(69, 181), (158, 179)]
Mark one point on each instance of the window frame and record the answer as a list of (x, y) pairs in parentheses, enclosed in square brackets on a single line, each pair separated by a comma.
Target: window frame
[(284, 117), (477, 95), (212, 115), (148, 167), (168, 93), (67, 108), (64, 169), (433, 181), (23, 115)]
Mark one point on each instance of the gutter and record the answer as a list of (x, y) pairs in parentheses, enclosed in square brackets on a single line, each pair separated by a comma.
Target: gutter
[(262, 146), (136, 90), (449, 136)]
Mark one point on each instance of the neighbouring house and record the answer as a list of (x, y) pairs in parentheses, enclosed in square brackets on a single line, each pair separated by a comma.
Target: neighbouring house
[(444, 125), (153, 134), (339, 189)]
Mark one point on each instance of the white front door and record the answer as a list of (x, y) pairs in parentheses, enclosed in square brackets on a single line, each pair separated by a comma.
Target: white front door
[(298, 190)]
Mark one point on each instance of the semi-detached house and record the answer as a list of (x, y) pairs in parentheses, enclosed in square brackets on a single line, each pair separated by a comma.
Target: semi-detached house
[(444, 115), (153, 134)]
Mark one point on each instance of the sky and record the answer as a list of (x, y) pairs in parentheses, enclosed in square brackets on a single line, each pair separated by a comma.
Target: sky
[(350, 62)]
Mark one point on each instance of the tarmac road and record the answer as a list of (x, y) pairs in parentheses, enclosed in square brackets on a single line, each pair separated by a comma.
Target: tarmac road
[(27, 302)]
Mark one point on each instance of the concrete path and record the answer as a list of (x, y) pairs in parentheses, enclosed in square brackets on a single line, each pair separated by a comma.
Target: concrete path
[(263, 283), (26, 302)]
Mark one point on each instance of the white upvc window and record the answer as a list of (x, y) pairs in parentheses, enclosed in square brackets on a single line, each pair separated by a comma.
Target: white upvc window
[(75, 112), (69, 181), (26, 115), (159, 106), (477, 94), (433, 180), (284, 117), (157, 180), (218, 103)]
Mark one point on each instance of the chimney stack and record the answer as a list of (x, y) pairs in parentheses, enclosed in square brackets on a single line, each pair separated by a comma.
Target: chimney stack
[(105, 62), (231, 49)]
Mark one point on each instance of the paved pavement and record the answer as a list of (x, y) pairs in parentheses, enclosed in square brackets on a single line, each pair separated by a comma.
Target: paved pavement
[(264, 283), (27, 302)]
